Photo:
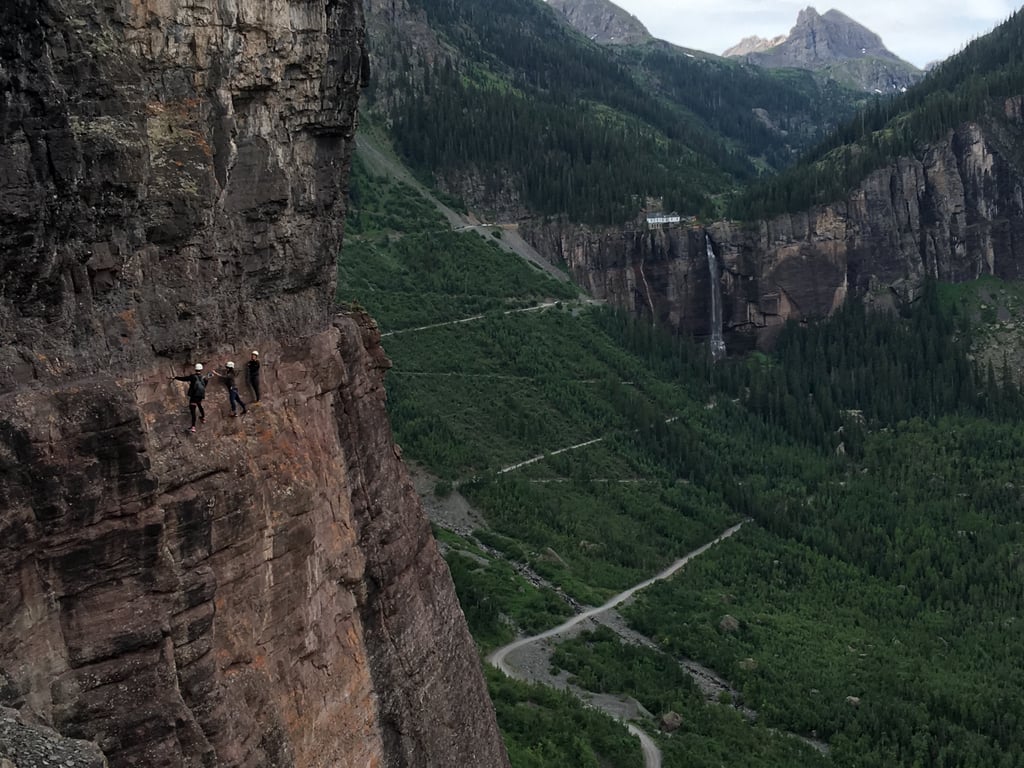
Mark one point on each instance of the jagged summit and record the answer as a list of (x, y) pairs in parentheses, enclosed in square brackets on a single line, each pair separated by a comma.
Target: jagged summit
[(753, 44), (836, 44), (603, 21), (834, 36)]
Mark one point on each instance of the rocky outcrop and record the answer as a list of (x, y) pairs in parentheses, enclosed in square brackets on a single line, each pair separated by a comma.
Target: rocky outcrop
[(753, 44), (265, 591), (836, 45), (603, 21), (670, 722), (170, 170), (954, 212), (26, 744)]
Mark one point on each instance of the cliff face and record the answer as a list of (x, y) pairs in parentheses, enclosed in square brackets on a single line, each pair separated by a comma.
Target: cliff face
[(955, 213), (753, 44), (603, 21), (171, 169), (265, 591)]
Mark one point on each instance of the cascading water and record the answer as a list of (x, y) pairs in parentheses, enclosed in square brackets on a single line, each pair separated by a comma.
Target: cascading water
[(717, 342)]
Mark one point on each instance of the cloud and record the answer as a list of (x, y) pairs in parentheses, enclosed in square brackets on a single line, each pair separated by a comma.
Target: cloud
[(917, 31)]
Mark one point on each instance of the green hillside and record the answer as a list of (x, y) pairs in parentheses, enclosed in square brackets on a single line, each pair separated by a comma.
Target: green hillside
[(972, 85), (509, 107), (868, 614), (508, 100), (874, 599)]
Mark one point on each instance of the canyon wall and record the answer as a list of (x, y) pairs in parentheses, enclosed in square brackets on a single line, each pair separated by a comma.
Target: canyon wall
[(265, 591), (954, 212)]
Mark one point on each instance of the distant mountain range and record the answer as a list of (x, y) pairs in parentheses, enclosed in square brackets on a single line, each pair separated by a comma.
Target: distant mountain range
[(834, 44), (753, 44), (831, 44)]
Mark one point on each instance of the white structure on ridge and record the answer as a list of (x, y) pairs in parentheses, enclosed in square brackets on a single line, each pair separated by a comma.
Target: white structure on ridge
[(664, 218)]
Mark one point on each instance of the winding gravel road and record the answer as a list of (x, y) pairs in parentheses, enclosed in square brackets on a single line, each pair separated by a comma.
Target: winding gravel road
[(499, 658), (473, 318)]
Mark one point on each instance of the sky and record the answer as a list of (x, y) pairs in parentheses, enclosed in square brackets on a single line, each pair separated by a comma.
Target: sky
[(919, 31)]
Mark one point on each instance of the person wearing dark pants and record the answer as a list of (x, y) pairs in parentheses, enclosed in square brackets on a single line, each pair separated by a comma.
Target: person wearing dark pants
[(229, 379), (253, 371), (196, 393)]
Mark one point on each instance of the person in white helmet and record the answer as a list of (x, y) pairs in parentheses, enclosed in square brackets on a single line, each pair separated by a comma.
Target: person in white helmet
[(252, 368), (196, 392), (228, 375)]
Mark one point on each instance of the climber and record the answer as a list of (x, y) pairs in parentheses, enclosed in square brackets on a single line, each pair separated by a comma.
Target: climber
[(196, 393), (253, 370), (229, 379)]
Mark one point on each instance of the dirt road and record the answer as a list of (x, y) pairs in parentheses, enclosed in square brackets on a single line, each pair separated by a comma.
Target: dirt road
[(500, 657)]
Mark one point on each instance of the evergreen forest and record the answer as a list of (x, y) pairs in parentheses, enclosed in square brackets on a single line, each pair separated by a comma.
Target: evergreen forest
[(513, 101), (869, 611)]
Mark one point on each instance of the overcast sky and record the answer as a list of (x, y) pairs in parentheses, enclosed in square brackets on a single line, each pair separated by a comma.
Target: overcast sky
[(919, 31)]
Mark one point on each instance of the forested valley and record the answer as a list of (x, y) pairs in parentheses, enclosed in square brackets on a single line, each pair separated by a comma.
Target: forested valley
[(873, 602), (513, 106), (869, 611), (515, 101)]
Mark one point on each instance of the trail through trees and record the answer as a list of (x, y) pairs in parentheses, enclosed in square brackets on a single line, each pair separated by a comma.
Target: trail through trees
[(500, 657)]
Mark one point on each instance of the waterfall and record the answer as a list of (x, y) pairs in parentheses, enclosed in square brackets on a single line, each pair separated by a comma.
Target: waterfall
[(717, 343), (648, 295)]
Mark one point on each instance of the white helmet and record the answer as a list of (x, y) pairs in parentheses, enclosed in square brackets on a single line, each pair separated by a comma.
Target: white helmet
[(231, 365), (255, 353), (199, 366)]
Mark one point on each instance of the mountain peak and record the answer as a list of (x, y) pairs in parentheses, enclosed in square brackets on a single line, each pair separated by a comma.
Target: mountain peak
[(835, 43), (753, 44), (603, 21), (831, 37)]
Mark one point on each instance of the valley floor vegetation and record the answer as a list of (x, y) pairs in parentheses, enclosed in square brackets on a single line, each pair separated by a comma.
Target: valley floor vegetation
[(875, 602)]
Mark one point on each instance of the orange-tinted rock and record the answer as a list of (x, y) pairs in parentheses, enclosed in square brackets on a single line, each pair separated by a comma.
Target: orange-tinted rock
[(265, 591)]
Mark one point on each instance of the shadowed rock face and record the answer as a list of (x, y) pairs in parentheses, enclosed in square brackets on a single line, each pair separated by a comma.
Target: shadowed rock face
[(266, 591), (170, 170), (955, 212)]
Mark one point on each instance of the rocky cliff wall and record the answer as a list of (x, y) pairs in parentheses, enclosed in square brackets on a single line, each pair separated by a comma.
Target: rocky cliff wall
[(171, 170), (955, 212), (265, 591)]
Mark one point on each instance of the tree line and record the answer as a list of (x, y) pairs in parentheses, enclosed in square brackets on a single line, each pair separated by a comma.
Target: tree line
[(970, 86), (528, 105)]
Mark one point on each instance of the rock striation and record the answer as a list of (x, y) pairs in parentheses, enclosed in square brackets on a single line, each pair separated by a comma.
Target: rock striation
[(953, 212), (265, 591)]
